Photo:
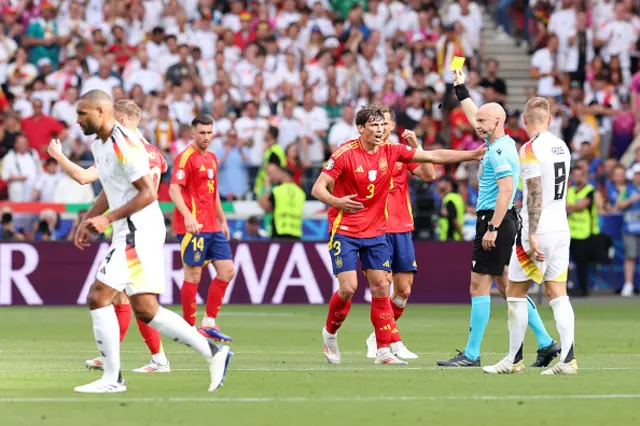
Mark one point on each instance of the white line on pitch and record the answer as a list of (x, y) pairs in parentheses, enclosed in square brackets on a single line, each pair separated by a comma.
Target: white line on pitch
[(320, 399), (328, 369)]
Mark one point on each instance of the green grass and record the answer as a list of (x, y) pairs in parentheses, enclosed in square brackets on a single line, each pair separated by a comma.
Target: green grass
[(279, 376)]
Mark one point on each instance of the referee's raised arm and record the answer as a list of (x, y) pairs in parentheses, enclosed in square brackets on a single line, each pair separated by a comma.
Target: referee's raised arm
[(470, 109)]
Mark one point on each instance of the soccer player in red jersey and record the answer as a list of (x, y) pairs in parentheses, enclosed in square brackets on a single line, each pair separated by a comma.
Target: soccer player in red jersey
[(201, 226), (399, 235), (360, 173), (127, 113)]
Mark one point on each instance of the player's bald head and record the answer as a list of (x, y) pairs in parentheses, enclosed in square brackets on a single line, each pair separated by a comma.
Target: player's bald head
[(94, 109), (537, 112), (493, 110)]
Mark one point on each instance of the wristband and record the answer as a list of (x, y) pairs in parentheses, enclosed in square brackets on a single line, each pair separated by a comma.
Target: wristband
[(462, 92)]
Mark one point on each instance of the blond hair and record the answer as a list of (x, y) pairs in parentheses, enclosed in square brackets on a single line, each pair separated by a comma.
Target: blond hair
[(537, 110), (128, 108)]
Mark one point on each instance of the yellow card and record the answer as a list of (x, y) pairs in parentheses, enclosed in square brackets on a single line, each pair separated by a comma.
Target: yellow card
[(457, 63)]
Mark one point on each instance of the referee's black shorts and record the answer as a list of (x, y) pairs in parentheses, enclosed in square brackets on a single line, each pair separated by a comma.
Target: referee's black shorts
[(492, 262)]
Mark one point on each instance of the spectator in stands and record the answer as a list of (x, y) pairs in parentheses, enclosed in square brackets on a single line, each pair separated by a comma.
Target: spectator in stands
[(629, 203), (163, 131), (43, 38), (290, 127), (8, 48), (20, 73), (295, 164), (64, 110), (9, 132), (21, 169), (251, 231), (286, 201), (495, 88), (252, 130), (344, 129), (614, 186), (40, 129), (625, 128), (579, 50), (46, 227), (222, 125), (46, 184), (314, 128), (469, 15), (513, 129), (617, 37), (233, 161), (583, 223), (104, 80), (544, 69), (595, 165), (451, 44)]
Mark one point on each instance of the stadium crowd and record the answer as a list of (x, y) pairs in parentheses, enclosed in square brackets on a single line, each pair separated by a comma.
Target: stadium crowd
[(293, 73)]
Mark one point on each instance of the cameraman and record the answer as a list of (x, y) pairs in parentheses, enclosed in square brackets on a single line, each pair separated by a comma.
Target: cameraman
[(8, 231)]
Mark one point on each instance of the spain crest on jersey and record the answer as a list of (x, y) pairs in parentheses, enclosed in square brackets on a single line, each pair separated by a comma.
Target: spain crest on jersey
[(383, 165), (210, 173)]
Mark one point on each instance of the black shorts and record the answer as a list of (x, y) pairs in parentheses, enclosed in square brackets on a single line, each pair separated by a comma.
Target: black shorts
[(492, 262)]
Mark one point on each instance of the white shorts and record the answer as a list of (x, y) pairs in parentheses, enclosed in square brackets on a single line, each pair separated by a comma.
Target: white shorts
[(555, 247), (135, 266)]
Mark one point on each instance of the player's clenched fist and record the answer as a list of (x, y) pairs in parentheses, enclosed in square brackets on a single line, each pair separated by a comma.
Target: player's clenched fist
[(348, 205), (458, 77), (411, 138), (55, 148)]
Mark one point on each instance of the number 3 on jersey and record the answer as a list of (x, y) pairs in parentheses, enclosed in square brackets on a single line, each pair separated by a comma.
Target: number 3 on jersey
[(372, 189)]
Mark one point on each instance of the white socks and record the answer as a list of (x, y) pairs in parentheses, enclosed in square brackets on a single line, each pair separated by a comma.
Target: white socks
[(208, 322), (160, 358), (107, 334), (518, 317), (172, 325), (565, 322)]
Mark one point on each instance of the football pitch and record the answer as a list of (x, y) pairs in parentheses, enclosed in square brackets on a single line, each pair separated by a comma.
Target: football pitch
[(279, 376)]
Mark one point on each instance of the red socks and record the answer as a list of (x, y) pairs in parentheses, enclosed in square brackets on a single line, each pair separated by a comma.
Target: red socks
[(338, 311), (382, 319), (188, 298), (151, 337), (397, 311), (123, 312), (215, 296)]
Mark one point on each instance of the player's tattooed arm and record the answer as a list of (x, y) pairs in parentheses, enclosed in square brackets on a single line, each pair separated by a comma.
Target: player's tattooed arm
[(534, 203)]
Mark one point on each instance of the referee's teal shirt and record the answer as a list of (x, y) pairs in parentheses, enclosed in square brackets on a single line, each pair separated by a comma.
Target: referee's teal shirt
[(500, 161)]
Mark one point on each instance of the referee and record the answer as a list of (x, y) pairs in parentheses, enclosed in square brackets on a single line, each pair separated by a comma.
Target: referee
[(497, 221)]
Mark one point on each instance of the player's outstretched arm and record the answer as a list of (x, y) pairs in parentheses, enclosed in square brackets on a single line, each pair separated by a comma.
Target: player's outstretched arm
[(470, 109), (426, 171), (81, 175), (321, 192), (447, 156)]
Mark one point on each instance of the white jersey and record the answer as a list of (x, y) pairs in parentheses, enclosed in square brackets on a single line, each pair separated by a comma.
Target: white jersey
[(122, 160), (547, 157)]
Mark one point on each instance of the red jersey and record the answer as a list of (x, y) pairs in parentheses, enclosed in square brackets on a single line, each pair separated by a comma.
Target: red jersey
[(368, 175), (157, 164), (196, 173), (400, 213)]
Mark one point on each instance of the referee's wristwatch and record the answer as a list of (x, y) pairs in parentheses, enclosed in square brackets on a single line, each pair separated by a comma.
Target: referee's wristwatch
[(493, 228)]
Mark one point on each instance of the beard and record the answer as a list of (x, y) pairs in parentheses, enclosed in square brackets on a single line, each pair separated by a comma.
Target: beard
[(89, 129)]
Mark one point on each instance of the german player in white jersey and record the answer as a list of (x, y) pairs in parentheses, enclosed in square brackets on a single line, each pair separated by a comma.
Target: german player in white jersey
[(127, 113), (542, 245), (134, 260)]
